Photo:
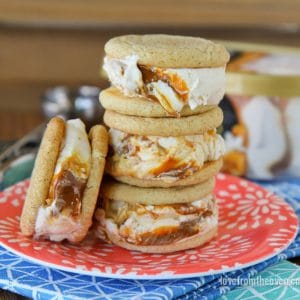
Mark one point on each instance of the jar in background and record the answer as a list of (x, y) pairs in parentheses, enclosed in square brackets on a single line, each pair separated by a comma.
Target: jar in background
[(262, 112)]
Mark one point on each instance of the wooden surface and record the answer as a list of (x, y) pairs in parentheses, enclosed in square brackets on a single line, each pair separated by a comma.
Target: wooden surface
[(51, 55), (15, 124), (58, 42), (150, 13), (34, 59)]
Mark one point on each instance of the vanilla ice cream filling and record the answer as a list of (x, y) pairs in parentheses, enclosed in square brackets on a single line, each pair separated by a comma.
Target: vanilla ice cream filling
[(173, 88), (162, 157), (156, 224), (54, 219), (55, 228)]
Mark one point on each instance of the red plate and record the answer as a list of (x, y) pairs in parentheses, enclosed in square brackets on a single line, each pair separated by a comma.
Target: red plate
[(254, 225)]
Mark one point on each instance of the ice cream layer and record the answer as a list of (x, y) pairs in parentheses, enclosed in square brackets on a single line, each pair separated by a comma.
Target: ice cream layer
[(76, 143), (149, 157), (156, 224), (54, 227), (58, 217), (173, 88)]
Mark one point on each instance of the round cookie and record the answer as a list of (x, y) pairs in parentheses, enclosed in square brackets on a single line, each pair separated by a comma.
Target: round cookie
[(156, 196), (209, 170), (168, 51), (191, 125), (113, 99), (99, 143), (40, 181)]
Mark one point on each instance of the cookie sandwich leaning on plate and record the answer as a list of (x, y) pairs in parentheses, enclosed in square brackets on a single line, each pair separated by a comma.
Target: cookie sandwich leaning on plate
[(65, 181)]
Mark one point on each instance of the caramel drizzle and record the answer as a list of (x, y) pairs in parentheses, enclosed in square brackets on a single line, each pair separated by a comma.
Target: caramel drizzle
[(67, 189), (173, 80)]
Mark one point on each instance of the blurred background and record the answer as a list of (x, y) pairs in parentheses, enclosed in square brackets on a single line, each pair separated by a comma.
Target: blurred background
[(50, 43), (59, 42)]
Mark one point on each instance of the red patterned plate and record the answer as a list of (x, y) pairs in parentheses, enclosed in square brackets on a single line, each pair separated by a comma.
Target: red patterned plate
[(254, 225)]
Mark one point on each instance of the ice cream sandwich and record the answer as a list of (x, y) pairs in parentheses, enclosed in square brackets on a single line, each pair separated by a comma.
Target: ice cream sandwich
[(157, 220), (64, 186), (164, 152), (173, 71)]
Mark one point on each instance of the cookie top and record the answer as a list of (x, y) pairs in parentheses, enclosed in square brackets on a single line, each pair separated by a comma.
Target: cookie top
[(190, 125), (113, 99), (156, 196), (168, 51)]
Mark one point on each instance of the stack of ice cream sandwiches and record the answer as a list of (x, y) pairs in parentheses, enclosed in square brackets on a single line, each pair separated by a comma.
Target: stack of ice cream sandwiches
[(164, 150)]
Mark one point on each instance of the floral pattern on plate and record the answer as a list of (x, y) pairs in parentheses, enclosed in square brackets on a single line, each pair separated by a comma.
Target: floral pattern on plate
[(254, 224)]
